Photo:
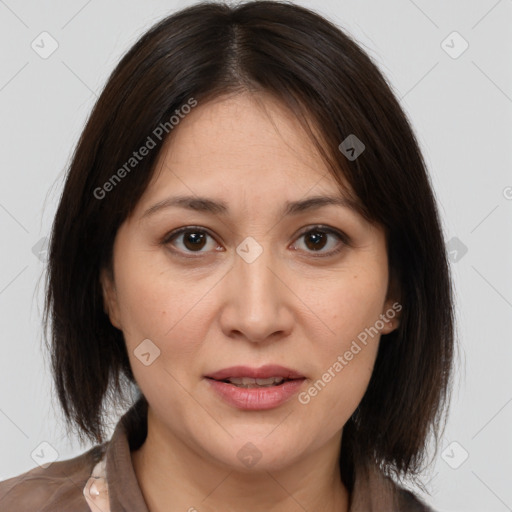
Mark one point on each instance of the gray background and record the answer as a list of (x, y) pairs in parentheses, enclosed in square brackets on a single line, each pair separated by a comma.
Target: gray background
[(461, 109)]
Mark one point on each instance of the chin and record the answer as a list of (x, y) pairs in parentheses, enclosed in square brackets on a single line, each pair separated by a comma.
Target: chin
[(257, 452)]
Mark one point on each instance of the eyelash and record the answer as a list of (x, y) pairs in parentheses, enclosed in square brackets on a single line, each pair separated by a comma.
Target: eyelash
[(342, 237)]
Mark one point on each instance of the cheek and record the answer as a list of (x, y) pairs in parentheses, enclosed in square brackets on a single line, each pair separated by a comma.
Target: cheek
[(152, 299), (349, 307), (162, 306), (345, 371)]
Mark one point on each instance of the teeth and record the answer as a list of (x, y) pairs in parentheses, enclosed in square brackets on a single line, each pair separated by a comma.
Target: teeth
[(247, 382)]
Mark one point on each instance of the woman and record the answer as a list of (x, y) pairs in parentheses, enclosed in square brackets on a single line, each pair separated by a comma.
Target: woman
[(248, 238)]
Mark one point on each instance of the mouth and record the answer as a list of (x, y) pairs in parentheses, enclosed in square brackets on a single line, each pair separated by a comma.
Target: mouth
[(264, 377), (254, 389), (247, 382)]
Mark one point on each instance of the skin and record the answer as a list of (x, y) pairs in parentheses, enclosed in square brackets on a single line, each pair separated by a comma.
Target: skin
[(210, 309)]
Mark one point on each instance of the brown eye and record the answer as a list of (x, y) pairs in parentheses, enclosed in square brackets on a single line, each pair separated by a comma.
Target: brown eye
[(190, 240), (194, 241), (318, 238)]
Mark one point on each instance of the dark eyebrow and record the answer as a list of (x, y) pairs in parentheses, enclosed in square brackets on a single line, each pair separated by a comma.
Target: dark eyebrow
[(207, 205)]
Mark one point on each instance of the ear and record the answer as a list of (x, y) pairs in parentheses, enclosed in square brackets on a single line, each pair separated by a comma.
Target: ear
[(110, 303), (391, 313)]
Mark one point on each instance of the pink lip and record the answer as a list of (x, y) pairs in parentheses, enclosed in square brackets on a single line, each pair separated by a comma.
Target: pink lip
[(256, 398), (264, 372)]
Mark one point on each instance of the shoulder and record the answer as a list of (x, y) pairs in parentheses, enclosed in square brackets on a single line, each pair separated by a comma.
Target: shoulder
[(57, 487)]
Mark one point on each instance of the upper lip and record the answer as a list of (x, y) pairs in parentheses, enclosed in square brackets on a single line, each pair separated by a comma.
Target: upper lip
[(263, 372)]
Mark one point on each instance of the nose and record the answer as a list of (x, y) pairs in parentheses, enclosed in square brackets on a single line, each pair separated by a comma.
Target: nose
[(258, 302)]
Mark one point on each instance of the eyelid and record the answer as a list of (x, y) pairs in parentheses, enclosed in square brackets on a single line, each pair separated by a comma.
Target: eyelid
[(169, 236), (327, 229)]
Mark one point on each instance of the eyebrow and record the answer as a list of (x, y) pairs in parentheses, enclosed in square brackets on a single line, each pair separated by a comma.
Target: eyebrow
[(216, 207)]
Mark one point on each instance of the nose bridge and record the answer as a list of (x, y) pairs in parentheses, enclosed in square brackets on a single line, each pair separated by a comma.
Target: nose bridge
[(253, 272), (257, 305)]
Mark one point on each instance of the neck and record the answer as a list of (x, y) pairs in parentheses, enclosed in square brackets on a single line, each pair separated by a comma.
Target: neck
[(173, 478)]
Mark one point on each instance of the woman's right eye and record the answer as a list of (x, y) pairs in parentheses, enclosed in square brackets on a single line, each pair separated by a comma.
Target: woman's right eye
[(189, 240)]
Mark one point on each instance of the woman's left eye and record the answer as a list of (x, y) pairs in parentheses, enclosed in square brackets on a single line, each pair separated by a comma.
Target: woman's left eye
[(316, 238)]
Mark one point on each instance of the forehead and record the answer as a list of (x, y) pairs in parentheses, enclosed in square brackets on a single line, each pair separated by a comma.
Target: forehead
[(248, 144)]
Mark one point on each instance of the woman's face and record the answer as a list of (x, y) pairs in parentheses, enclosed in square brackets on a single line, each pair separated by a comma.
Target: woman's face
[(249, 284)]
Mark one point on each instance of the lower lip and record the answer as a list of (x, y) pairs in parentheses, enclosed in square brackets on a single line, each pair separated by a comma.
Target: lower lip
[(256, 398)]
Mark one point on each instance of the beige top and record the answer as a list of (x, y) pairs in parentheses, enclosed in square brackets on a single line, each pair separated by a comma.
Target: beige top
[(103, 480)]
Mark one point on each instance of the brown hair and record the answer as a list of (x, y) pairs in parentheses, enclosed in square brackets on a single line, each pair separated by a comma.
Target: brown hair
[(323, 76)]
